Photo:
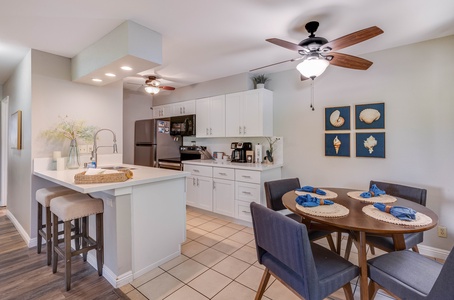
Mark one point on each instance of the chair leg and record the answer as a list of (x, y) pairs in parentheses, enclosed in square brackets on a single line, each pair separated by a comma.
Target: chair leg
[(49, 235), (54, 244), (348, 291), (76, 233), (331, 242), (372, 249), (99, 243), (85, 228), (348, 248), (373, 288), (67, 257), (415, 248), (263, 283), (39, 238), (339, 242)]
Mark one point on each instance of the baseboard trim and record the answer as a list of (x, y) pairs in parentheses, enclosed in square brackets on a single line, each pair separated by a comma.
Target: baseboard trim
[(433, 252), (30, 242), (109, 275)]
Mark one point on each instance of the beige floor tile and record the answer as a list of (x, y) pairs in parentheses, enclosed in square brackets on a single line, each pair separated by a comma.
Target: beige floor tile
[(227, 246), (258, 265), (160, 287), (251, 278), (249, 230), (195, 233), (236, 226), (210, 283), (209, 257), (127, 288), (146, 277), (196, 221), (210, 239), (189, 217), (189, 226), (187, 270), (136, 295), (210, 226), (251, 244), (246, 254), (231, 267), (186, 293), (220, 221), (241, 237), (278, 291), (240, 291), (192, 248), (207, 217), (174, 262), (225, 231)]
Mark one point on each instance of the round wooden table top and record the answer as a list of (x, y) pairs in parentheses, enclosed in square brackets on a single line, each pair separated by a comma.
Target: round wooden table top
[(357, 220)]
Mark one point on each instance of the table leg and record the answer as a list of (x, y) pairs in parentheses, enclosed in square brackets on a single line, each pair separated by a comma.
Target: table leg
[(362, 261)]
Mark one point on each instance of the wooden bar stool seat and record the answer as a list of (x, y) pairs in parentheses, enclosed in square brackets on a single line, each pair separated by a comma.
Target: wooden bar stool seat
[(72, 207), (44, 197)]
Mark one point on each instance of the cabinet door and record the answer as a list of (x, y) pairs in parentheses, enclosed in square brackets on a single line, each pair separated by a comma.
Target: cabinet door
[(252, 113), (188, 107), (217, 128), (233, 128), (191, 191), (157, 112), (203, 117), (223, 197), (204, 193)]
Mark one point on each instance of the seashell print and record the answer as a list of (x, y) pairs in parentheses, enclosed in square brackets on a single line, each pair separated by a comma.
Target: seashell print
[(335, 119), (336, 143), (370, 143), (369, 115)]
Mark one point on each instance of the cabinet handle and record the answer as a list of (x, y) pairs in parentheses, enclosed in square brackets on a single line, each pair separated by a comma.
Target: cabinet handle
[(244, 129), (211, 131), (207, 131), (184, 110), (193, 181), (214, 185), (197, 182), (196, 171), (247, 193), (223, 174), (239, 129), (246, 176), (246, 212), (181, 111)]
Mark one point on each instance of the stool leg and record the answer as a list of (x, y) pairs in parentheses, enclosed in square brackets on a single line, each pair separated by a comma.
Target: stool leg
[(49, 235), (68, 254), (39, 239), (54, 243), (77, 232), (99, 242), (85, 235)]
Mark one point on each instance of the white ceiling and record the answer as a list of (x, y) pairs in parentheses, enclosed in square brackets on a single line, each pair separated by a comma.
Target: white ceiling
[(209, 39)]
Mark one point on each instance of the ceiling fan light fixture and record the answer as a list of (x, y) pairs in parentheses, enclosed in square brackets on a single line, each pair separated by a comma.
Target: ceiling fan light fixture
[(312, 67), (152, 90)]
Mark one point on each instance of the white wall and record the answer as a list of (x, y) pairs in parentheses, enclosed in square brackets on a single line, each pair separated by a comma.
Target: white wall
[(416, 84)]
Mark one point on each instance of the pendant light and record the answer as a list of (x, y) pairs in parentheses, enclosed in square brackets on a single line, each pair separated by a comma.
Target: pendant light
[(313, 66), (152, 90)]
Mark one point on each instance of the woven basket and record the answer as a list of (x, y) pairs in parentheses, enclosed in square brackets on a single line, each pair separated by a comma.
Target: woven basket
[(123, 175)]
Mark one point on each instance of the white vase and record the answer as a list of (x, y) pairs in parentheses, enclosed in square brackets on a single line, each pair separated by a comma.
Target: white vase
[(260, 85)]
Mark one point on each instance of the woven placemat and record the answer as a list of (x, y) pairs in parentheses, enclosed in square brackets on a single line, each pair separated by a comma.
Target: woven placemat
[(421, 219), (329, 211), (329, 194), (381, 199)]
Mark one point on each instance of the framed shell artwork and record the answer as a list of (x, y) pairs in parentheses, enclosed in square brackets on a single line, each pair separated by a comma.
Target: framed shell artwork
[(337, 118), (370, 144), (337, 144), (370, 116)]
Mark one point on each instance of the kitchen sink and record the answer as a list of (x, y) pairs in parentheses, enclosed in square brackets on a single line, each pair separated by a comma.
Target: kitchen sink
[(117, 168)]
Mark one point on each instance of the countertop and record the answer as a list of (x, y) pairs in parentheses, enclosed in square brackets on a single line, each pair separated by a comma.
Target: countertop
[(232, 165), (141, 175)]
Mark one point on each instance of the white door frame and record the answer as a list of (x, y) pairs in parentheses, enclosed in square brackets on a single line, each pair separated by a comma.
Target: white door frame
[(4, 147)]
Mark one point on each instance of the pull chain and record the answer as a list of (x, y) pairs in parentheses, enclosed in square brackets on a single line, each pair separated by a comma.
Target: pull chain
[(312, 94)]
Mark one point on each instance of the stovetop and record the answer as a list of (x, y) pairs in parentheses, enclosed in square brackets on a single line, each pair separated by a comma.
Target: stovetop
[(171, 159)]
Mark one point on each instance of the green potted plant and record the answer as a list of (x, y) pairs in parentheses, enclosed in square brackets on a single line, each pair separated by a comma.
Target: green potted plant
[(260, 80)]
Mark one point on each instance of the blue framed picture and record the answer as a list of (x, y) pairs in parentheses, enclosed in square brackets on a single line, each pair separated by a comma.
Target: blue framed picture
[(337, 144), (337, 118), (370, 116), (370, 144)]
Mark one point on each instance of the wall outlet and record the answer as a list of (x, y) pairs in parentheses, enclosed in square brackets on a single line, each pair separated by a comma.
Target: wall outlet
[(89, 148), (82, 148), (442, 232)]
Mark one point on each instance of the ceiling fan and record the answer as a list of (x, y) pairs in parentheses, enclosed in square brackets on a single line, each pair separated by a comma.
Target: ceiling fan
[(152, 85), (317, 53)]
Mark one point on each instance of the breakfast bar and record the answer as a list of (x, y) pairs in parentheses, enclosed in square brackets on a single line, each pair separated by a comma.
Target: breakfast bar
[(144, 218)]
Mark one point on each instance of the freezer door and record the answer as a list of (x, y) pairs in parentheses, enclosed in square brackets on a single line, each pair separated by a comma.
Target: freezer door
[(145, 132), (145, 155)]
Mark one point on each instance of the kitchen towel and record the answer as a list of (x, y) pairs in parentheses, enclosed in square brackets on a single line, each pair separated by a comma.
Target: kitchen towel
[(400, 212), (311, 189), (374, 191), (309, 201)]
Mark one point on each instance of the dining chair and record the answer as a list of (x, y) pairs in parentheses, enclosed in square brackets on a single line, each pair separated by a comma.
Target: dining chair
[(307, 269), (274, 190), (386, 243), (410, 275)]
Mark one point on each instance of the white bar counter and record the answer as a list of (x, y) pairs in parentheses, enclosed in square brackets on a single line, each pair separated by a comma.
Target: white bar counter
[(144, 218)]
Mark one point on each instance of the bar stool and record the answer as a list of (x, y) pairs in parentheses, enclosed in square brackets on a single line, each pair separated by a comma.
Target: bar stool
[(72, 207), (44, 197)]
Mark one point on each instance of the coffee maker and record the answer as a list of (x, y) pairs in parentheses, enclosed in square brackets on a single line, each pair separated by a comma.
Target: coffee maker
[(239, 151)]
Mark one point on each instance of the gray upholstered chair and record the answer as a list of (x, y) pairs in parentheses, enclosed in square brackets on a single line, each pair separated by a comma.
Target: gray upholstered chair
[(409, 275), (307, 269), (274, 190), (386, 243)]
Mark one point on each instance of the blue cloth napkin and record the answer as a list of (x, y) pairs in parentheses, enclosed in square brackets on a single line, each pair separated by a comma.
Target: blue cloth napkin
[(309, 201), (400, 212), (311, 189), (374, 191)]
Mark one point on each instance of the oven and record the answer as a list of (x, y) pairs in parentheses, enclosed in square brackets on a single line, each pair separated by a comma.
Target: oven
[(186, 153)]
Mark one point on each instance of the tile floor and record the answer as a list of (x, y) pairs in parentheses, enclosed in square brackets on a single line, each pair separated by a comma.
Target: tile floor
[(218, 262)]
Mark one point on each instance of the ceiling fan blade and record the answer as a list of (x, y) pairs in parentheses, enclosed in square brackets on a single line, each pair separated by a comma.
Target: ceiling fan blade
[(167, 88), (349, 61), (285, 44), (281, 62), (353, 38)]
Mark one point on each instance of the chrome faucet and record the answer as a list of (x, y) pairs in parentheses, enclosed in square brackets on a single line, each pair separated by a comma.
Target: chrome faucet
[(94, 153)]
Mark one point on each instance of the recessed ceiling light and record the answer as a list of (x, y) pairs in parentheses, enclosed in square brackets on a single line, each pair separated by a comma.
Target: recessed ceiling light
[(96, 80), (110, 75), (126, 68)]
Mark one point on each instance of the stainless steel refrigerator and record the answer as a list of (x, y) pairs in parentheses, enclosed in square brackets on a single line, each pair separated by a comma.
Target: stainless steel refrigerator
[(153, 141)]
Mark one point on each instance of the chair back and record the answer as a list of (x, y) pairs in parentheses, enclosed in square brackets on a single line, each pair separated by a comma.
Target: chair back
[(443, 285), (274, 190), (288, 244), (402, 191)]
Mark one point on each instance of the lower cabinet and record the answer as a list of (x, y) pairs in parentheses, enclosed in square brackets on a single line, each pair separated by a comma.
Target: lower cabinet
[(199, 187), (223, 194)]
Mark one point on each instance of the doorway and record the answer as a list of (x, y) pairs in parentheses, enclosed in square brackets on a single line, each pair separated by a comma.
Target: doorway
[(4, 151)]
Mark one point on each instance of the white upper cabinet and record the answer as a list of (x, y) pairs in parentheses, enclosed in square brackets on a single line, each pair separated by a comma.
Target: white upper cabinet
[(162, 111), (249, 113), (210, 120), (184, 108)]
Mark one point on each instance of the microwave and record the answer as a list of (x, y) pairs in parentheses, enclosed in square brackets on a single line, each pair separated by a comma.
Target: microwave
[(182, 125)]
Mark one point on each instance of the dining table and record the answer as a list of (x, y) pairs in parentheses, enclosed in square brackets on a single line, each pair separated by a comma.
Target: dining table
[(359, 224)]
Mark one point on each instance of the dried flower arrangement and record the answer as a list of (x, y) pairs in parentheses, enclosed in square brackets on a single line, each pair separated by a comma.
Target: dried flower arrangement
[(71, 129)]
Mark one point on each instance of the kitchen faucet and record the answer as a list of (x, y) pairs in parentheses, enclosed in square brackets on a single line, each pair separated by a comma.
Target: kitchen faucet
[(94, 153)]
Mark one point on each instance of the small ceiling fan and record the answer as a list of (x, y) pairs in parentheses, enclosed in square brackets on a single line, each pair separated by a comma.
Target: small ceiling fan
[(152, 85), (317, 53)]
